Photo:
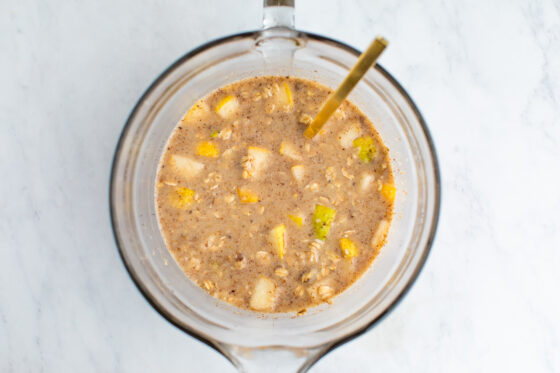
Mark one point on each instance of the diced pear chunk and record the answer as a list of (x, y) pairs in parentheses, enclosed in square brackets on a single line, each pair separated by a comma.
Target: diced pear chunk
[(185, 166), (207, 149), (349, 134), (247, 196), (297, 219), (264, 294), (366, 181), (181, 197), (298, 172), (348, 248), (285, 99), (322, 220), (255, 161), (378, 238), (277, 238), (289, 150), (388, 191), (195, 112), (366, 148), (227, 106)]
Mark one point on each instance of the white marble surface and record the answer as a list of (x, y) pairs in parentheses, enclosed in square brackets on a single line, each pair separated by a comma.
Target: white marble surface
[(486, 75)]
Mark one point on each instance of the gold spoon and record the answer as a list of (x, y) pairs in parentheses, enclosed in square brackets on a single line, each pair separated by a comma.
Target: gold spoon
[(366, 60)]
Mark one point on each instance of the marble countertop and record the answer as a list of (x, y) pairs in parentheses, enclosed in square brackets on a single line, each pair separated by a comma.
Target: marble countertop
[(486, 75)]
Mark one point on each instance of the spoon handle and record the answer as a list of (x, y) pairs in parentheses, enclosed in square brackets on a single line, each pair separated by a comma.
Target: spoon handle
[(365, 61)]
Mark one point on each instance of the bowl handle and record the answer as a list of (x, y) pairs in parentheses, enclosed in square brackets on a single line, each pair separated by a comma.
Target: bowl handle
[(278, 14)]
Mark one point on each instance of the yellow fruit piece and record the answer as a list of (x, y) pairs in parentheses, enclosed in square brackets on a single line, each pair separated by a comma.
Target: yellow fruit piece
[(227, 106), (181, 197), (247, 196), (298, 220), (185, 166), (348, 248), (264, 294), (285, 96), (322, 220), (278, 240), (207, 149), (389, 191), (196, 111), (214, 134), (366, 147)]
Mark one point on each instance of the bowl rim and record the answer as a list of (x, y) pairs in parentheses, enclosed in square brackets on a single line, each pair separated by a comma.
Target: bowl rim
[(316, 37)]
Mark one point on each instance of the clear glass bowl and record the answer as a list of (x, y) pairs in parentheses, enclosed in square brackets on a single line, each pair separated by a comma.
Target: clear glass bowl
[(251, 341)]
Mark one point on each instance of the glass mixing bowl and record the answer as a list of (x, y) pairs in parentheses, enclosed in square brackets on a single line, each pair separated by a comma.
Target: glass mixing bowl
[(275, 342)]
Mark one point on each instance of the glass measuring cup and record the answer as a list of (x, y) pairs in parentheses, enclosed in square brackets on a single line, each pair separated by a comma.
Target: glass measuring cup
[(281, 342)]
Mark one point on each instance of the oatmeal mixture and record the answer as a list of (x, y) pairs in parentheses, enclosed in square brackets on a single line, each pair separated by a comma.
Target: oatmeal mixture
[(263, 218)]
